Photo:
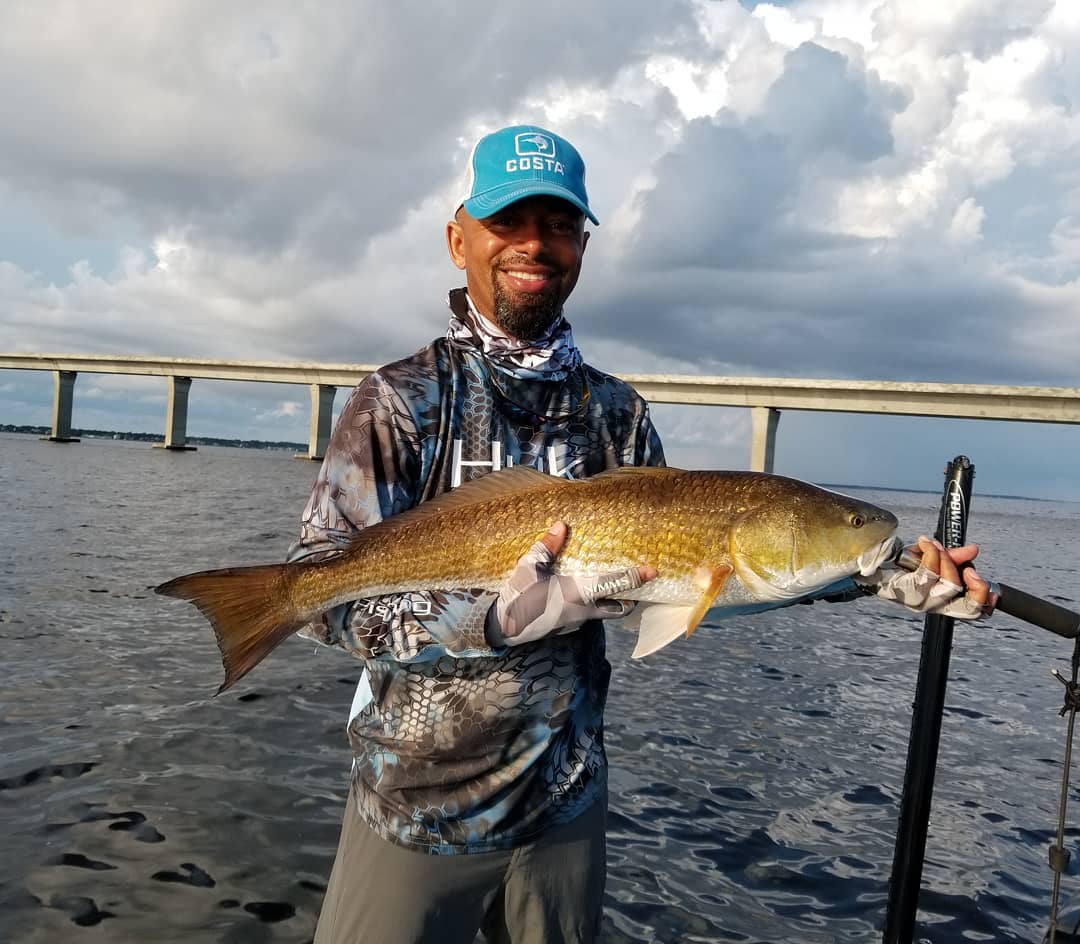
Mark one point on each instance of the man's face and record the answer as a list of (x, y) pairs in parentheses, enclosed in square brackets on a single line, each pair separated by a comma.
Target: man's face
[(522, 263)]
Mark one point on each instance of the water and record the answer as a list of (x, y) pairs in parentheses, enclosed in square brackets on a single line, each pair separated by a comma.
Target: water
[(756, 768)]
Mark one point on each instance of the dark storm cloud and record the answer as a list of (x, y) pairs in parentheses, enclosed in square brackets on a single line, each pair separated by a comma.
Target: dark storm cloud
[(824, 103), (892, 314), (727, 195)]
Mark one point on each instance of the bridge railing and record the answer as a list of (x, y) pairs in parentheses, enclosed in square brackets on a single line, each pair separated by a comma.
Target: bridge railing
[(765, 397)]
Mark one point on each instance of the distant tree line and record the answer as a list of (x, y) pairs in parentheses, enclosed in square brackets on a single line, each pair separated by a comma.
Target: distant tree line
[(155, 437)]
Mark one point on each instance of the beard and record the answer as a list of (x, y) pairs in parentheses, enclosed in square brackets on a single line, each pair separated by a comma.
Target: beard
[(527, 318)]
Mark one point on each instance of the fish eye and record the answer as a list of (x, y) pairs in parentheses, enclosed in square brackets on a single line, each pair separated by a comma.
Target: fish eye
[(857, 520)]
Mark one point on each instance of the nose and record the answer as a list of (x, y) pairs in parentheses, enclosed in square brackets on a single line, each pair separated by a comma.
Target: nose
[(530, 237)]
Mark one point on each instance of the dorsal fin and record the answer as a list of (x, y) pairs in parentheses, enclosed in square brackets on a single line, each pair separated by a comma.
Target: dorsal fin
[(514, 481), (655, 471)]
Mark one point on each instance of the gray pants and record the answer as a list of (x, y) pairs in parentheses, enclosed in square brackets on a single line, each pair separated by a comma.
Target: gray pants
[(548, 891)]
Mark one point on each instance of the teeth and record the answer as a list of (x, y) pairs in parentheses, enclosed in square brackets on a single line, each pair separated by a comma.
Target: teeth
[(527, 276)]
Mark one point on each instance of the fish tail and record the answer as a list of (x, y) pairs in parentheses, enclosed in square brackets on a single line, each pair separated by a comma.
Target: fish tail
[(248, 607)]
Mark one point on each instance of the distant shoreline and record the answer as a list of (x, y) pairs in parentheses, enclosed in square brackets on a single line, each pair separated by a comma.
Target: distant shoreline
[(118, 435), (926, 491)]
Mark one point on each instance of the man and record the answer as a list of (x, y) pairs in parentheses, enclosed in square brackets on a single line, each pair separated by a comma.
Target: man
[(479, 787)]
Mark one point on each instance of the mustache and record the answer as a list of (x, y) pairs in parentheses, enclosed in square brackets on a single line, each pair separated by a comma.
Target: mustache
[(541, 258)]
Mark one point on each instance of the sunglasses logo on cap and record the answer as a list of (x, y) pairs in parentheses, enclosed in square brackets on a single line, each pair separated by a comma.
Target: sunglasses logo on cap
[(532, 142)]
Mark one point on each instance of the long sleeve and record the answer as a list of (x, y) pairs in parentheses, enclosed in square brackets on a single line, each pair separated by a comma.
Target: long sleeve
[(372, 470), (649, 450)]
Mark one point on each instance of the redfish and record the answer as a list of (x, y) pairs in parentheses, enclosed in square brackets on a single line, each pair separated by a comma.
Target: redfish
[(727, 540)]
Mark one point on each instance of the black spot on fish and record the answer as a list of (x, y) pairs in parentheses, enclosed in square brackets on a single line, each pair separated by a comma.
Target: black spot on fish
[(270, 911), (195, 876)]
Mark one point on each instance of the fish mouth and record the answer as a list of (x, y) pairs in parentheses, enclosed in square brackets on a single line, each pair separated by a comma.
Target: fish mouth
[(871, 560)]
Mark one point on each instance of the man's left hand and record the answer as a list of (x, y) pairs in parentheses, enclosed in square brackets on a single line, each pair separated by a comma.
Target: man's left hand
[(938, 585)]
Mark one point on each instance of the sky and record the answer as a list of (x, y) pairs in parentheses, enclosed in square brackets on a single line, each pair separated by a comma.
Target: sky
[(863, 189)]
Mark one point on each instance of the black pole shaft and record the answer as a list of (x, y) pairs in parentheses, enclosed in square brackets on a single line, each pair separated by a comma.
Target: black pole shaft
[(927, 711)]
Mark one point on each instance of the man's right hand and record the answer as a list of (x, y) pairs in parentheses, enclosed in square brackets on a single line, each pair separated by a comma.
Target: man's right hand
[(534, 603)]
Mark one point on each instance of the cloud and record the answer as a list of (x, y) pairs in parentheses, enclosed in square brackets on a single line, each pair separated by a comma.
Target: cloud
[(287, 408)]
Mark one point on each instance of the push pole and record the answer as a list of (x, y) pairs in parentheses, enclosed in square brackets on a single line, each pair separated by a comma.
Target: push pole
[(927, 711)]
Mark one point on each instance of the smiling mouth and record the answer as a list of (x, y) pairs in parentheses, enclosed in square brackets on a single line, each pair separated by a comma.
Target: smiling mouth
[(528, 281)]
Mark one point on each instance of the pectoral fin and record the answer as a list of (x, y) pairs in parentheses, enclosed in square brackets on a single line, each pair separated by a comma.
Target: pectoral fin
[(713, 581), (662, 623)]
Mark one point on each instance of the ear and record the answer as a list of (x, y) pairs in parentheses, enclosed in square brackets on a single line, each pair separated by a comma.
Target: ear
[(455, 243), (584, 240)]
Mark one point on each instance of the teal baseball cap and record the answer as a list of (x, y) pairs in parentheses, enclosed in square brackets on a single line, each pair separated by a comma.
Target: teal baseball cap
[(523, 161)]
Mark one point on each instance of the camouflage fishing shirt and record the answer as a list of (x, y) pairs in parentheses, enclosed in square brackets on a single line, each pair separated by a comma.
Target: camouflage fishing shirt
[(463, 747)]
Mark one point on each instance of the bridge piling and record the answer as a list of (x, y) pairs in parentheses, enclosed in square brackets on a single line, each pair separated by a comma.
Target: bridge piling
[(763, 423), (322, 416), (63, 397), (176, 415)]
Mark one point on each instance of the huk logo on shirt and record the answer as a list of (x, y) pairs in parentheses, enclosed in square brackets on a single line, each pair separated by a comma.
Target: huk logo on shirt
[(534, 151), (553, 456)]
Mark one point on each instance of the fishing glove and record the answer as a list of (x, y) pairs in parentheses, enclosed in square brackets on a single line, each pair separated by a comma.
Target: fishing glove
[(534, 603), (924, 591)]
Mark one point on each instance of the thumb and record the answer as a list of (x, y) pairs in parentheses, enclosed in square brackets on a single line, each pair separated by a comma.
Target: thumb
[(555, 538)]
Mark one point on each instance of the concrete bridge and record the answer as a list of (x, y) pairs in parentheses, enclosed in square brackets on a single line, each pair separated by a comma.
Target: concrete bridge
[(766, 397)]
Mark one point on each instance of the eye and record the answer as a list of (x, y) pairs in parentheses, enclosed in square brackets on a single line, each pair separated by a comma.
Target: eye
[(857, 520)]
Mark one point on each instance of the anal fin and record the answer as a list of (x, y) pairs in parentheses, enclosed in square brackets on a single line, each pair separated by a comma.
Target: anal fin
[(662, 623)]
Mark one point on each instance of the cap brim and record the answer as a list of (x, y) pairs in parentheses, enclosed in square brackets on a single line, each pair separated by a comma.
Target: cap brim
[(498, 198)]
